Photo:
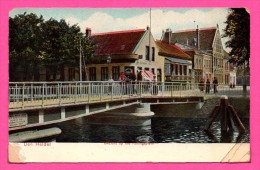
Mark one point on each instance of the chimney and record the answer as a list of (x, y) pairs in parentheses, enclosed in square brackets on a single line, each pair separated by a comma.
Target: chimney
[(198, 38), (162, 37), (169, 35), (88, 32)]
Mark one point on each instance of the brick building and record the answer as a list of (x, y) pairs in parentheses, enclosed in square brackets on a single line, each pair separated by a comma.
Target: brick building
[(206, 48)]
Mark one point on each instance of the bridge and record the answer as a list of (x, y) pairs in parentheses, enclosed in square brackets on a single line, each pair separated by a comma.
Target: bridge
[(40, 103)]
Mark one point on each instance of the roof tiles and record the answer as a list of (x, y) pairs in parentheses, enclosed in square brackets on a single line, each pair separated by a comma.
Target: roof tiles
[(171, 50), (119, 42), (189, 37)]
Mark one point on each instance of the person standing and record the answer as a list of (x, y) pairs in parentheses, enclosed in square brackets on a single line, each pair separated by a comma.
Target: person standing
[(207, 85), (215, 84), (155, 89), (132, 77), (201, 85), (122, 79), (110, 85)]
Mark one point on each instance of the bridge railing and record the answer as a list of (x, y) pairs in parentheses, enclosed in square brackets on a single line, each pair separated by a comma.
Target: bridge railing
[(26, 94)]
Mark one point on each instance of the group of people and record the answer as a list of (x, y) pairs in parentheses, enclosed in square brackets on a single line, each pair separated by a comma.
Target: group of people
[(128, 82), (202, 85)]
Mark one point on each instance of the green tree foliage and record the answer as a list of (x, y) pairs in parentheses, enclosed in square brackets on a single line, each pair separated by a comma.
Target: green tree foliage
[(60, 46), (50, 44), (24, 46), (238, 31)]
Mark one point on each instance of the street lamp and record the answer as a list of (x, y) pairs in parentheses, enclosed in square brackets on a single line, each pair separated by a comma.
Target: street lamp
[(108, 59), (80, 62), (244, 53), (108, 62)]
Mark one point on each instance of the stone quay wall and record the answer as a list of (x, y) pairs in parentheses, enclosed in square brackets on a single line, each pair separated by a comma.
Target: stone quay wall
[(241, 105)]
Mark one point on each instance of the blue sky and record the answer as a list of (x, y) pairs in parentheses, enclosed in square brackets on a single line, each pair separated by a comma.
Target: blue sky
[(114, 19)]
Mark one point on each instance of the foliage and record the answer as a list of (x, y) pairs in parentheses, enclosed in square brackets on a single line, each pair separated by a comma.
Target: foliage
[(36, 44), (238, 30), (60, 46), (24, 45)]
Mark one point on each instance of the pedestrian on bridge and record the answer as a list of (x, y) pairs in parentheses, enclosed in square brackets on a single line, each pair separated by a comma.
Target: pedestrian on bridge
[(155, 88), (201, 84), (207, 85), (215, 84), (132, 78), (122, 79)]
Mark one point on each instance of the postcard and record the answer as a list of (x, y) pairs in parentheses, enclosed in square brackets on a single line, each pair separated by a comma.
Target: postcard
[(129, 84)]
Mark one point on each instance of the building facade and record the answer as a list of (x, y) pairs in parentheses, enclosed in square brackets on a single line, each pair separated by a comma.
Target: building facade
[(205, 47), (177, 65), (124, 51)]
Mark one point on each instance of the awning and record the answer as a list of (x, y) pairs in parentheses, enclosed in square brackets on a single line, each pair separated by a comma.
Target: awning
[(148, 75)]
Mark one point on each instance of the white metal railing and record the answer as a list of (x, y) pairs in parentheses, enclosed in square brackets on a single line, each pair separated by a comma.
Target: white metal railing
[(35, 94)]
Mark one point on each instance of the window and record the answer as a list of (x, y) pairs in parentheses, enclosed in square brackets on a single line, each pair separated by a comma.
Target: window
[(167, 69), (147, 53), (115, 72), (92, 74), (185, 70), (153, 53), (104, 73), (176, 69), (153, 71), (180, 69), (172, 68)]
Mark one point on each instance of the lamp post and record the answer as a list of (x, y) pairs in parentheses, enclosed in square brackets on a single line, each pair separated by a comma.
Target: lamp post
[(80, 62), (244, 53), (108, 62)]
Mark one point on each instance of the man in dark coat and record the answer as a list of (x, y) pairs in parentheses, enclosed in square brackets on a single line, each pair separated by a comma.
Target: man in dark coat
[(215, 84), (207, 86)]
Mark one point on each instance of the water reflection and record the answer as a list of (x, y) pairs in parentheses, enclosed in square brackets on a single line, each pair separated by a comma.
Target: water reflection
[(151, 130)]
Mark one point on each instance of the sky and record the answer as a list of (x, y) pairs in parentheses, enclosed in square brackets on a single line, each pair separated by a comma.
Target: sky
[(117, 19)]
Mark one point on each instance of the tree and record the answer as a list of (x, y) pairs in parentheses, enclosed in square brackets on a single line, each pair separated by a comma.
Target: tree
[(62, 46), (87, 51), (55, 46), (25, 55), (238, 30), (35, 44)]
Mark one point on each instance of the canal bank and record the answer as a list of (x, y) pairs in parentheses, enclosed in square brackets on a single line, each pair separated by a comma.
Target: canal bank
[(163, 123), (190, 110)]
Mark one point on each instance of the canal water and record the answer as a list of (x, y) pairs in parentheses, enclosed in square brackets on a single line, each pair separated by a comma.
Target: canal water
[(153, 130)]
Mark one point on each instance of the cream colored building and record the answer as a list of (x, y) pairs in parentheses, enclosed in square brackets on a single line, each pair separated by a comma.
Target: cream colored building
[(116, 52)]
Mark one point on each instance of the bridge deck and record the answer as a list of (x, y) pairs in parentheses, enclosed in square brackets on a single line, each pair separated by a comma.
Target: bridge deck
[(54, 102), (35, 96)]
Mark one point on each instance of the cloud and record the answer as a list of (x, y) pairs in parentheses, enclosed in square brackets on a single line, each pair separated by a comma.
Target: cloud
[(161, 20)]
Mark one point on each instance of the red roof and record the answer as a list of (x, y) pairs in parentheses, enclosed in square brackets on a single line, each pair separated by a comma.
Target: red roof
[(171, 50), (119, 42)]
